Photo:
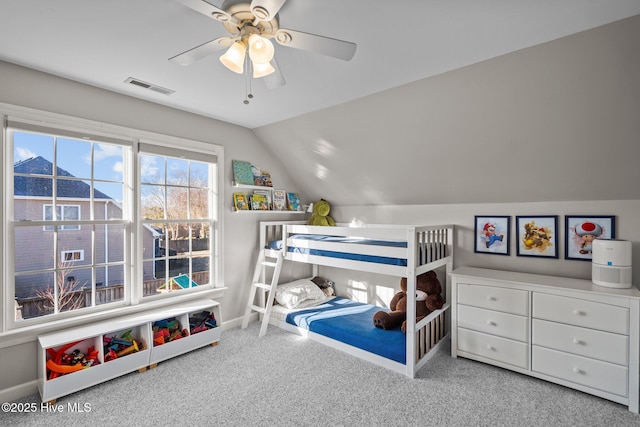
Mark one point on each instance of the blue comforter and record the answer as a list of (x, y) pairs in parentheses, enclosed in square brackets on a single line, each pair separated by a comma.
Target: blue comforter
[(351, 322)]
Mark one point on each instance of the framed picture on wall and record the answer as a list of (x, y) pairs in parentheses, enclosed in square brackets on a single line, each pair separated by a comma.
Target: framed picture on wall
[(537, 236), (581, 231), (492, 234)]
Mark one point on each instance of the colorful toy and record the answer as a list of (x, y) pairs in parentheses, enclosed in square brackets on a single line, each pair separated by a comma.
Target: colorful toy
[(167, 330), (202, 321), (60, 362)]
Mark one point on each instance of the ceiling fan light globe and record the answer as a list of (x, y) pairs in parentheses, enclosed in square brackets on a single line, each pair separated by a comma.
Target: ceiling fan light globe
[(262, 70), (261, 50), (233, 58)]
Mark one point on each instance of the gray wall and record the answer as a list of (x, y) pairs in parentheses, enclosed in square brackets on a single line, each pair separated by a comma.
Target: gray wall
[(554, 122)]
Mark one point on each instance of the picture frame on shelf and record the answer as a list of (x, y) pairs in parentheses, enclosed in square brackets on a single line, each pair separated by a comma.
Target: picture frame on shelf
[(293, 201), (279, 200), (259, 202), (267, 196), (581, 230), (492, 234), (242, 172), (240, 201), (537, 236)]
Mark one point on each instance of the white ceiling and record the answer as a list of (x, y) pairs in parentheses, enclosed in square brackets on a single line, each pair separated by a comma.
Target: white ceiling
[(102, 43)]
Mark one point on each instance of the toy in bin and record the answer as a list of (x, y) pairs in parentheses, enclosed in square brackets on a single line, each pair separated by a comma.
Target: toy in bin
[(202, 321), (59, 362), (115, 347), (167, 330)]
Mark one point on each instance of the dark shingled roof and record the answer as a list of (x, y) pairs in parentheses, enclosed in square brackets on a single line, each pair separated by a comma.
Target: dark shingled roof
[(41, 187)]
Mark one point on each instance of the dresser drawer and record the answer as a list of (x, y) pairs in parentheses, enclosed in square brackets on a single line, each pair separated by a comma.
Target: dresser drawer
[(493, 322), (579, 312), (599, 345), (580, 370), (512, 301), (492, 347)]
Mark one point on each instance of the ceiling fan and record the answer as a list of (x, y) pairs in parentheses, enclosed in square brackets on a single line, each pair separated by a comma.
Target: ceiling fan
[(252, 27)]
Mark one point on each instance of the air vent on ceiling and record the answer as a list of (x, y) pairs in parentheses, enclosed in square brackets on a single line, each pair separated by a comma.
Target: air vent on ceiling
[(149, 86)]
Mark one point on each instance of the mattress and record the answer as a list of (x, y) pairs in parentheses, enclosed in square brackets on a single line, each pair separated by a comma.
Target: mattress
[(350, 322)]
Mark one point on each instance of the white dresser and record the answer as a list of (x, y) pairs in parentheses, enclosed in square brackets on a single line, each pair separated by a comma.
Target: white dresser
[(567, 331)]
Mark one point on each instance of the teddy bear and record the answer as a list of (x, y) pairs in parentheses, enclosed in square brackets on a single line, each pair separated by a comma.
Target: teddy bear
[(428, 299), (320, 215)]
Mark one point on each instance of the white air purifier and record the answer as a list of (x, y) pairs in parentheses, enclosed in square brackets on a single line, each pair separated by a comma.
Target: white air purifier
[(611, 263)]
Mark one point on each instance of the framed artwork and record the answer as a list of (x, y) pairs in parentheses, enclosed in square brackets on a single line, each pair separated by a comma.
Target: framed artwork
[(537, 236), (492, 234), (581, 231)]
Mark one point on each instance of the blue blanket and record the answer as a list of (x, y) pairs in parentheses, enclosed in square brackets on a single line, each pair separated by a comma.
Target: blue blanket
[(351, 322)]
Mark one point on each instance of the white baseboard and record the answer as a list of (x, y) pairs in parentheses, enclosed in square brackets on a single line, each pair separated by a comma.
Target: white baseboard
[(17, 392), (237, 322)]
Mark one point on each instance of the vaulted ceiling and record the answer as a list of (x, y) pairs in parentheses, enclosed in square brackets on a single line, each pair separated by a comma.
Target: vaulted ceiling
[(103, 43)]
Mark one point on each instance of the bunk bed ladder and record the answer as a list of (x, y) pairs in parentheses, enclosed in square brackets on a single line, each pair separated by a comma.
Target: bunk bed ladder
[(260, 282)]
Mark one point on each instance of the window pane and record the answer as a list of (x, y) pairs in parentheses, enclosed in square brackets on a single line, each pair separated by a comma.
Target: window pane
[(74, 157), (108, 161), (31, 146), (74, 289), (151, 169), (199, 175), (110, 243), (109, 284), (152, 201), (33, 249), (198, 203), (177, 203), (29, 196), (29, 291), (108, 200), (177, 171)]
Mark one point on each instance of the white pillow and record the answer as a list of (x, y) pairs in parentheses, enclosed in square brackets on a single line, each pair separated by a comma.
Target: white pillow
[(291, 294)]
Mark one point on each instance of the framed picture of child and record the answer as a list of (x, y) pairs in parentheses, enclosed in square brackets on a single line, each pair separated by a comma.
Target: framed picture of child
[(581, 231), (492, 234), (537, 236)]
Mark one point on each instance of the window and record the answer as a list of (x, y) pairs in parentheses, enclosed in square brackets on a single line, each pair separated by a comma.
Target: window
[(63, 212), (85, 233), (72, 255), (176, 206)]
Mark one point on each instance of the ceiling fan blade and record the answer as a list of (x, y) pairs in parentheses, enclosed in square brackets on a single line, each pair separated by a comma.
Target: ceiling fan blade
[(199, 52), (275, 79), (314, 43), (209, 10), (266, 10)]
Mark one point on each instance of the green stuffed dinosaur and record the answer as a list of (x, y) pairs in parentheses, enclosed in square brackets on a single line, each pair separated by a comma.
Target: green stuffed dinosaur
[(320, 215)]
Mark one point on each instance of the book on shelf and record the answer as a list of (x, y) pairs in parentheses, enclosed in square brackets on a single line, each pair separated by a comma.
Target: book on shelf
[(279, 200), (267, 195), (261, 178), (293, 201), (240, 201), (242, 172), (259, 202)]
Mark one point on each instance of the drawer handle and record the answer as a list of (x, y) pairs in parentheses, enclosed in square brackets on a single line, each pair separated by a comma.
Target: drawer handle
[(490, 298), (490, 347), (578, 370), (491, 323), (577, 341), (577, 312)]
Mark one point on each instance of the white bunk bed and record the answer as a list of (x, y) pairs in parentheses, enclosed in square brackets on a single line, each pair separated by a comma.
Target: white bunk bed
[(396, 250)]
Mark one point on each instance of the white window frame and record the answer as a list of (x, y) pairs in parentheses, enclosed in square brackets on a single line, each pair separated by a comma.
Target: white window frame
[(12, 331), (64, 254), (63, 217)]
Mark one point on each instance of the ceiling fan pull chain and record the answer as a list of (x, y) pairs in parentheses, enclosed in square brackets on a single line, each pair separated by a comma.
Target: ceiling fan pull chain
[(247, 81)]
